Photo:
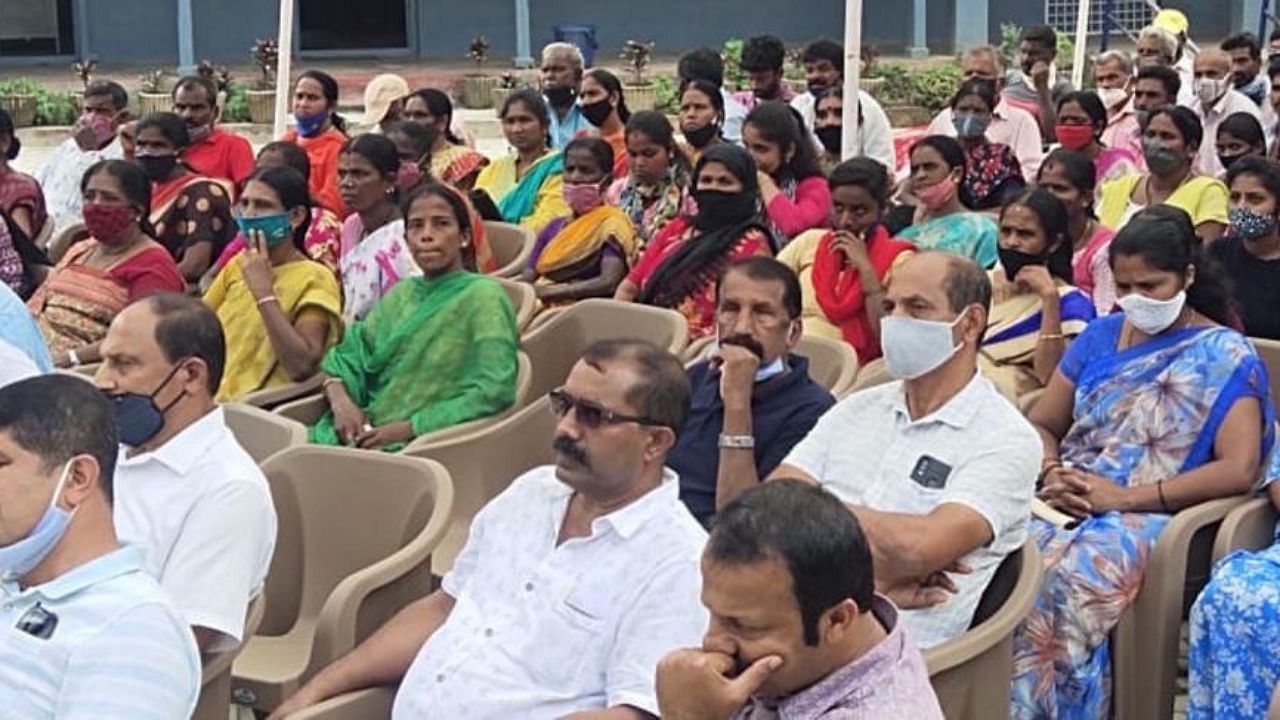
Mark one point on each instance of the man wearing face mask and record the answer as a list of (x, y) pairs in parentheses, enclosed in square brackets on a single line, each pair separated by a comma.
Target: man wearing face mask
[(1216, 100), (561, 84), (938, 467), (1113, 78), (824, 73), (213, 152), (1246, 67), (80, 618), (93, 138), (753, 399), (186, 491)]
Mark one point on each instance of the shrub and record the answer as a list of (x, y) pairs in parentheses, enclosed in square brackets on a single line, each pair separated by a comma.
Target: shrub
[(51, 108), (931, 88), (731, 54), (668, 94), (236, 108)]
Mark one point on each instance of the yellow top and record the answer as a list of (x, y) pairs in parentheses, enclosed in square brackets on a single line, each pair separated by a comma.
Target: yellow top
[(499, 178), (1203, 198)]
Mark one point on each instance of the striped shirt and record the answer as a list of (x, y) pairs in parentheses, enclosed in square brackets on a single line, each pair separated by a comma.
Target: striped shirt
[(118, 649)]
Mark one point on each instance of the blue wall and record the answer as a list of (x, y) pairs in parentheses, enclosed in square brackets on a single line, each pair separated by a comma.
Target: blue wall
[(133, 30), (226, 29)]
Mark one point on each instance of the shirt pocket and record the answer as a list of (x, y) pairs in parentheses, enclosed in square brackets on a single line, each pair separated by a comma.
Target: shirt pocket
[(566, 641), (33, 669)]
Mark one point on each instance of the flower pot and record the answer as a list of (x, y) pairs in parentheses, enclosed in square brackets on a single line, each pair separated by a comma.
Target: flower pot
[(262, 106), (641, 97), (22, 108), (477, 91), (498, 96), (149, 103), (903, 116), (871, 85)]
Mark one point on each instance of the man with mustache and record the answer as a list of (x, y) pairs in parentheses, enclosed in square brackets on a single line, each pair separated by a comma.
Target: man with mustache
[(213, 151), (574, 582), (753, 399)]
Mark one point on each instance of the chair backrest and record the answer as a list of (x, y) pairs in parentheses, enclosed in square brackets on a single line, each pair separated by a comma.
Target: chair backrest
[(1269, 351), (524, 301), (339, 511), (485, 462), (261, 433), (511, 245), (65, 238), (832, 364), (556, 345)]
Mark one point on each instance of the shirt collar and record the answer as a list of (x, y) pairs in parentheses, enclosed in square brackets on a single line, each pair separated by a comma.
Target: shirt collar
[(627, 520), (1001, 110), (957, 412), (121, 561), (184, 449)]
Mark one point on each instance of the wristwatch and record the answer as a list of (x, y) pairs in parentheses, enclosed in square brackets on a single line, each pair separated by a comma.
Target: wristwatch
[(737, 442)]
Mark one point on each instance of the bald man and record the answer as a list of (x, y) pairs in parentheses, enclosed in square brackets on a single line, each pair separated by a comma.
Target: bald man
[(1215, 100)]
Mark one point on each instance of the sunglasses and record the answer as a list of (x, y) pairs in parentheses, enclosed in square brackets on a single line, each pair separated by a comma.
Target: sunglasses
[(592, 415)]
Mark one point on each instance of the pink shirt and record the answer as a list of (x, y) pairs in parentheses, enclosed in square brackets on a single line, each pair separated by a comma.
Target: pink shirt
[(808, 210), (1233, 102), (1123, 131), (1010, 126)]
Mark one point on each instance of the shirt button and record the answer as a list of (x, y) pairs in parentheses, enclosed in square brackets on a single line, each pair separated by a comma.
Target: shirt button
[(528, 587), (488, 632), (440, 678)]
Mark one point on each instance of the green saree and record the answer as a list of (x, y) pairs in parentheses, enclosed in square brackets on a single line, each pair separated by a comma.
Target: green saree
[(434, 353)]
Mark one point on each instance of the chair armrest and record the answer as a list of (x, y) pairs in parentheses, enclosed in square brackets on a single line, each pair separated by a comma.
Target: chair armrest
[(1250, 526), (542, 318), (453, 431), (215, 665), (368, 704), (272, 397), (694, 351), (307, 410)]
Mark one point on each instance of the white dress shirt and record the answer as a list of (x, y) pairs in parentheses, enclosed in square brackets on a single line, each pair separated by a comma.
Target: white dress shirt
[(867, 449), (875, 138), (1229, 104), (734, 115), (1010, 126), (60, 178), (201, 508), (542, 631)]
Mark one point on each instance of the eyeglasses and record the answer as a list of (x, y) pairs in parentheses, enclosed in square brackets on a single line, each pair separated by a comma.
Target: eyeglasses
[(591, 414)]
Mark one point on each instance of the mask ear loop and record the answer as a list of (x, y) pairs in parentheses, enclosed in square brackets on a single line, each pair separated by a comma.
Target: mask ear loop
[(161, 386)]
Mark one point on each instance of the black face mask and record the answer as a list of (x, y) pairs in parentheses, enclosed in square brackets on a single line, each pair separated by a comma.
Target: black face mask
[(1013, 260), (560, 96), (157, 167), (1227, 160), (718, 209), (816, 89), (597, 112), (830, 137), (699, 137)]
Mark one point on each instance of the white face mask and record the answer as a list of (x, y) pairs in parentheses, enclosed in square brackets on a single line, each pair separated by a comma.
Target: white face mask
[(1113, 97), (914, 347), (1152, 316), (1210, 90)]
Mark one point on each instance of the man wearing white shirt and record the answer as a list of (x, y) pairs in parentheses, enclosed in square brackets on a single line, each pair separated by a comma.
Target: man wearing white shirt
[(574, 582), (706, 64), (1113, 77), (824, 73), (94, 137), (1215, 101), (185, 489)]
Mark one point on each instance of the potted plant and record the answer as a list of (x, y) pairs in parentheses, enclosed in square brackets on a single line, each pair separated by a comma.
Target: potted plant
[(18, 97), (478, 86), (641, 92), (508, 83), (153, 93), (261, 95), (219, 75), (793, 71)]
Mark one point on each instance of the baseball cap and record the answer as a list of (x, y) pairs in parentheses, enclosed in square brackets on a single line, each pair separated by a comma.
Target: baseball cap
[(1172, 20), (379, 94)]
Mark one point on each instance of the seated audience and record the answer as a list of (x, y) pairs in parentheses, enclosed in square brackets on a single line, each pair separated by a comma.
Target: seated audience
[(797, 629), (452, 160), (1246, 67), (1239, 136), (384, 99), (604, 105), (527, 185), (1250, 252), (680, 266), (81, 619), (824, 74), (93, 138), (938, 467), (763, 57), (1215, 101), (1157, 47), (322, 133), (1081, 121), (792, 186), (1036, 85), (437, 350), (587, 254), (702, 118), (705, 65), (20, 195), (191, 213), (992, 174), (413, 146), (1035, 310), (186, 492), (1070, 176), (212, 152), (843, 271), (18, 331), (1114, 83), (374, 256), (753, 399), (120, 262), (280, 311), (655, 190), (574, 582), (940, 220), (561, 80), (1170, 142), (1151, 411)]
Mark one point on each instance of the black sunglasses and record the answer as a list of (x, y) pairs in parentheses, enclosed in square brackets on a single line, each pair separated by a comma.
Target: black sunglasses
[(591, 414)]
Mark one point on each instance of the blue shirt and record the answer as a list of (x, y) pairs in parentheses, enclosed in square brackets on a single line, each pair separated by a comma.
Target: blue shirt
[(564, 130), (18, 328), (783, 410)]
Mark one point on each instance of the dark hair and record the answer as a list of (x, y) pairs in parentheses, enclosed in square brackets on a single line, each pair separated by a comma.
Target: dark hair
[(767, 269), (865, 173), (702, 64), (983, 88), (1275, 35), (6, 128), (291, 186), (1167, 76), (329, 87), (1186, 121), (1273, 65), (172, 127), (599, 150), (613, 86), (532, 100), (810, 531), (965, 283), (1078, 168), (1091, 104), (762, 53), (1243, 41), (662, 393), (1164, 237), (948, 147), (98, 88), (378, 150), (188, 328), (57, 417), (655, 126), (1265, 169), (711, 91), (197, 81), (417, 134), (779, 124), (1052, 215), (820, 50), (1042, 35), (1243, 127), (440, 105), (292, 154), (133, 182), (461, 213)]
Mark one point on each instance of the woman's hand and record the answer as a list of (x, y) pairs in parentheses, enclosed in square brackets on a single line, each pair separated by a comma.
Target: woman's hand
[(255, 265), (349, 421), (1036, 279), (768, 188), (852, 246), (1063, 490), (397, 432), (1103, 494)]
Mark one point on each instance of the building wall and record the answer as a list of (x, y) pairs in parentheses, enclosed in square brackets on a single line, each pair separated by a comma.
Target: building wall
[(133, 31), (225, 30)]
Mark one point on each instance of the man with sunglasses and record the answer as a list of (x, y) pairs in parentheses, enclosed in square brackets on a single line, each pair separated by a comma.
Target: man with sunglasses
[(753, 399), (574, 582)]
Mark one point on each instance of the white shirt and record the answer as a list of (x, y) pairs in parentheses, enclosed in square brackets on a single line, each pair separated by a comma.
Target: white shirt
[(60, 178), (201, 508), (866, 448), (1185, 67), (540, 631), (14, 364), (875, 139), (1233, 102), (1010, 126), (735, 113), (118, 649)]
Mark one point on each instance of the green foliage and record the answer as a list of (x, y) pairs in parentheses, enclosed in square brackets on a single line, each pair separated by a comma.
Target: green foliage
[(668, 94), (794, 67), (931, 88), (236, 108), (637, 53), (51, 108), (731, 55)]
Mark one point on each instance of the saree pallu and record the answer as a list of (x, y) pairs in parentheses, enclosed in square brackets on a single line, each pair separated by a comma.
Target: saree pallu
[(76, 304), (433, 353), (651, 207), (971, 235), (1142, 415), (1007, 354), (456, 163), (191, 210), (372, 266), (574, 246)]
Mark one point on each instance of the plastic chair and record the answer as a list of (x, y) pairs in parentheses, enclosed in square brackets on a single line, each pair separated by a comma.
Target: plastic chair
[(484, 463), (554, 346), (832, 364), (272, 397), (367, 704), (1250, 526), (511, 246), (972, 674), (260, 433), (88, 370), (215, 682), (65, 238), (1269, 351), (523, 300), (356, 533)]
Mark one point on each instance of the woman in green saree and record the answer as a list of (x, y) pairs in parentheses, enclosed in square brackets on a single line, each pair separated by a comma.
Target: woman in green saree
[(436, 351)]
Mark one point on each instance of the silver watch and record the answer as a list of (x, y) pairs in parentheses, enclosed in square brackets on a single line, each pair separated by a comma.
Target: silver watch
[(737, 442)]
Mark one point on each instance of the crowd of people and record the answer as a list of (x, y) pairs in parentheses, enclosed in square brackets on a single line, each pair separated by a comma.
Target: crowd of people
[(1050, 302)]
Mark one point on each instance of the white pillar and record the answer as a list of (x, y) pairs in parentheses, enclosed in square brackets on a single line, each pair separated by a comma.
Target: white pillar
[(524, 56), (284, 89), (1082, 42), (852, 69)]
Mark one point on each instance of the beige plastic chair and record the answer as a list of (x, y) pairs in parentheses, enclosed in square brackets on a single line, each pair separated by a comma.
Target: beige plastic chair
[(356, 533), (973, 673), (273, 397), (1269, 351), (1145, 642), (511, 245), (483, 463), (1250, 526), (697, 350), (367, 704), (215, 683), (832, 364), (523, 300), (260, 433), (88, 370), (554, 346), (65, 238)]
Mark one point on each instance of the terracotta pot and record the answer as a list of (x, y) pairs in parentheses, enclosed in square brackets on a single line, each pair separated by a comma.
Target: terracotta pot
[(641, 97), (498, 96), (902, 116), (149, 103), (22, 108), (262, 106), (477, 91)]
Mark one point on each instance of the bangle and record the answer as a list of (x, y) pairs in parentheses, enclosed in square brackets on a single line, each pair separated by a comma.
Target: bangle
[(1044, 471), (264, 300), (74, 358), (737, 442), (1052, 336), (324, 386), (1160, 491)]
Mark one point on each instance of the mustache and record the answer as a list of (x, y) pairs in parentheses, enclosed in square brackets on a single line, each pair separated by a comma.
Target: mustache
[(568, 448), (744, 340)]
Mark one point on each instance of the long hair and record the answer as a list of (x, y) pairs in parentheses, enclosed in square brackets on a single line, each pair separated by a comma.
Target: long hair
[(329, 87), (779, 124), (291, 187), (613, 86), (133, 182)]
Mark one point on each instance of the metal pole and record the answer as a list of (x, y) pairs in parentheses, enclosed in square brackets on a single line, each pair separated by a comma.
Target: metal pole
[(1082, 43), (524, 56), (283, 87), (850, 130), (186, 39), (1108, 7), (1262, 21), (919, 34), (80, 20)]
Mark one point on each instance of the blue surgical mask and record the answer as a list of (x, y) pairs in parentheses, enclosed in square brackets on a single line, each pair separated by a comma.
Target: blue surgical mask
[(138, 418), (309, 125), (275, 228), (970, 126), (772, 370), (19, 558)]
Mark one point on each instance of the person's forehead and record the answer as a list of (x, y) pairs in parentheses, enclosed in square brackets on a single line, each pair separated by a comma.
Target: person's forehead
[(605, 383), (921, 276), (738, 285), (192, 95), (1212, 60), (98, 101), (133, 331), (757, 588)]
